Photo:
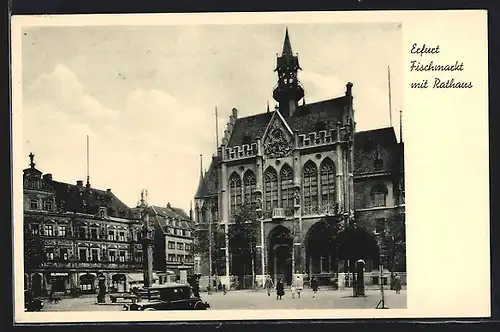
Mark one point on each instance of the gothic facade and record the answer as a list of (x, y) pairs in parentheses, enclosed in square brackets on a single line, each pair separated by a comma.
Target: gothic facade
[(302, 167)]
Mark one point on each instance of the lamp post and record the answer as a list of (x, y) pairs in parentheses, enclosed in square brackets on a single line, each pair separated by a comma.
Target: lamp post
[(260, 216), (381, 303)]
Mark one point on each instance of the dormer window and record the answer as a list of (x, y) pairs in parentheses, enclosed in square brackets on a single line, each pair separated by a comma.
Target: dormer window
[(378, 164), (34, 204)]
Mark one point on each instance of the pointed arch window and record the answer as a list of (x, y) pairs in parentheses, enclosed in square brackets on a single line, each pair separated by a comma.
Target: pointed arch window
[(327, 182), (286, 178), (310, 184), (379, 195), (249, 183), (234, 192), (271, 189)]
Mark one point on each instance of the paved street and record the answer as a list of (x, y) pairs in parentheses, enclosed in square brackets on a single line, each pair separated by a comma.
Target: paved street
[(326, 299)]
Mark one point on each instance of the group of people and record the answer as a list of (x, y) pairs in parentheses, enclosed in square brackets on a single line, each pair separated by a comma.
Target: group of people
[(297, 287)]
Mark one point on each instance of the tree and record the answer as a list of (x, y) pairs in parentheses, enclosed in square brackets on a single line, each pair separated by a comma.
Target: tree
[(242, 234), (201, 246), (393, 243), (33, 253)]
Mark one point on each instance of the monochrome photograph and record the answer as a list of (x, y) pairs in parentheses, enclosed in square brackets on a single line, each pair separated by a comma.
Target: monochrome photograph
[(212, 167), (297, 199)]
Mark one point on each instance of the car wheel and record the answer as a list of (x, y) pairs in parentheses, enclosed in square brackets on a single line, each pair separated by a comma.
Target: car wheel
[(199, 306)]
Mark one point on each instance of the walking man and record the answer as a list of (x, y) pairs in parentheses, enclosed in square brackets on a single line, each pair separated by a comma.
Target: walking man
[(314, 286), (397, 284), (269, 285)]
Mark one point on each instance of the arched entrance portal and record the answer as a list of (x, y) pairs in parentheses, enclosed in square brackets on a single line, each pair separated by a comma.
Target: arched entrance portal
[(321, 252), (280, 254), (87, 283)]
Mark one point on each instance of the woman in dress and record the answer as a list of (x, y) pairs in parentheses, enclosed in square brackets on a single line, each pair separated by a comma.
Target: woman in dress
[(280, 289)]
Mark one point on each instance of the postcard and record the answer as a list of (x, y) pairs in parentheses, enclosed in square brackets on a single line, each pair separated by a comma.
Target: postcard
[(250, 166)]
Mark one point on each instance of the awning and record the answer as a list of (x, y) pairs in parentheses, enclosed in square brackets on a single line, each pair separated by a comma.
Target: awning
[(138, 277)]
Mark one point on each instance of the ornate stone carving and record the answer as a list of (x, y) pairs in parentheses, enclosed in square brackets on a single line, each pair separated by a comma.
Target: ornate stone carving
[(277, 143)]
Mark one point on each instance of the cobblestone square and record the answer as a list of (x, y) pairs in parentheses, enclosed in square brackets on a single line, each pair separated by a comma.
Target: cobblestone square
[(326, 299)]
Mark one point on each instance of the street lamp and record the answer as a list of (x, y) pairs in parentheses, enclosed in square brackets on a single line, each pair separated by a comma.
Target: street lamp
[(381, 303)]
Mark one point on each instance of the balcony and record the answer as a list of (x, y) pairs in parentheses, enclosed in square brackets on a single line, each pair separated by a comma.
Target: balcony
[(278, 214)]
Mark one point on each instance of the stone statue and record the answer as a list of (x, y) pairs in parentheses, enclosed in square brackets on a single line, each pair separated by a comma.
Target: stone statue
[(296, 197), (259, 203)]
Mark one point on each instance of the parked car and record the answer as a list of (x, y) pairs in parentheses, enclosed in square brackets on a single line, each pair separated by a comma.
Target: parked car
[(31, 303), (168, 297)]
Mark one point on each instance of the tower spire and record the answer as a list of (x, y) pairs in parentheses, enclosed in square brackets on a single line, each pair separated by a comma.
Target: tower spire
[(287, 46), (288, 91)]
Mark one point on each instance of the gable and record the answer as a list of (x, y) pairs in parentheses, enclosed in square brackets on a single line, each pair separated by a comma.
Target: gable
[(278, 139)]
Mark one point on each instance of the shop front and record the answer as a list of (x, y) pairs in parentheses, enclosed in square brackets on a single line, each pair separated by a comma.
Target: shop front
[(87, 283), (59, 282)]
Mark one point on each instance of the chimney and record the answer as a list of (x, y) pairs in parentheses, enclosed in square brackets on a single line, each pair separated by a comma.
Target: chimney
[(79, 183), (108, 191), (348, 89), (47, 177), (235, 113), (168, 205)]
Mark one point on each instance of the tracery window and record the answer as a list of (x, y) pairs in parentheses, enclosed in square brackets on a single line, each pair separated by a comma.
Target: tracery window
[(234, 192), (327, 182), (249, 183), (286, 178), (310, 184), (271, 188)]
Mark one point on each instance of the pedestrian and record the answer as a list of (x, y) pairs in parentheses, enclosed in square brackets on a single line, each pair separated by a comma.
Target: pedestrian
[(280, 289), (397, 284), (299, 285), (224, 289), (269, 285), (314, 286)]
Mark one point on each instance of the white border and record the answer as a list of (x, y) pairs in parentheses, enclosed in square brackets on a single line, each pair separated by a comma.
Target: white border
[(449, 128)]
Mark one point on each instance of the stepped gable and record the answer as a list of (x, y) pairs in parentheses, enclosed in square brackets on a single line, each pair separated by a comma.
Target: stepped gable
[(82, 199), (376, 144), (322, 115)]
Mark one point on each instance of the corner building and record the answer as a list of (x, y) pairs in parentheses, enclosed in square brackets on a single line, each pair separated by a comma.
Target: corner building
[(76, 236), (297, 165)]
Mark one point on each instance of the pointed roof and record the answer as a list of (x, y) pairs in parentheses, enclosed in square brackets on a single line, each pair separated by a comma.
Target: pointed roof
[(202, 189), (287, 46)]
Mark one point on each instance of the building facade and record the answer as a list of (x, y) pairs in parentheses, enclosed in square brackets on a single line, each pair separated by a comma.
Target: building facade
[(305, 170), (76, 236), (173, 251)]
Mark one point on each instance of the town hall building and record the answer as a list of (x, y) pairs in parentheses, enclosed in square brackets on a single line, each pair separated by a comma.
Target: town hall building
[(305, 170)]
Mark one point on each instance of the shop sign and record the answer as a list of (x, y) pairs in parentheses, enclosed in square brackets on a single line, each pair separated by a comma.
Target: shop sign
[(59, 274)]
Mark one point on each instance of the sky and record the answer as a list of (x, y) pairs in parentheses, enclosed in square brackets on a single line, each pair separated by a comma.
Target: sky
[(146, 95)]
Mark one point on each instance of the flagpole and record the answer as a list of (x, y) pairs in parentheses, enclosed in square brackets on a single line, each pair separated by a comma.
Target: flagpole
[(390, 101)]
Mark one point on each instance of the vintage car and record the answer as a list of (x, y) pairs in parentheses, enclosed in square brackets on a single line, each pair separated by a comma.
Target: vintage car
[(31, 303), (170, 296)]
